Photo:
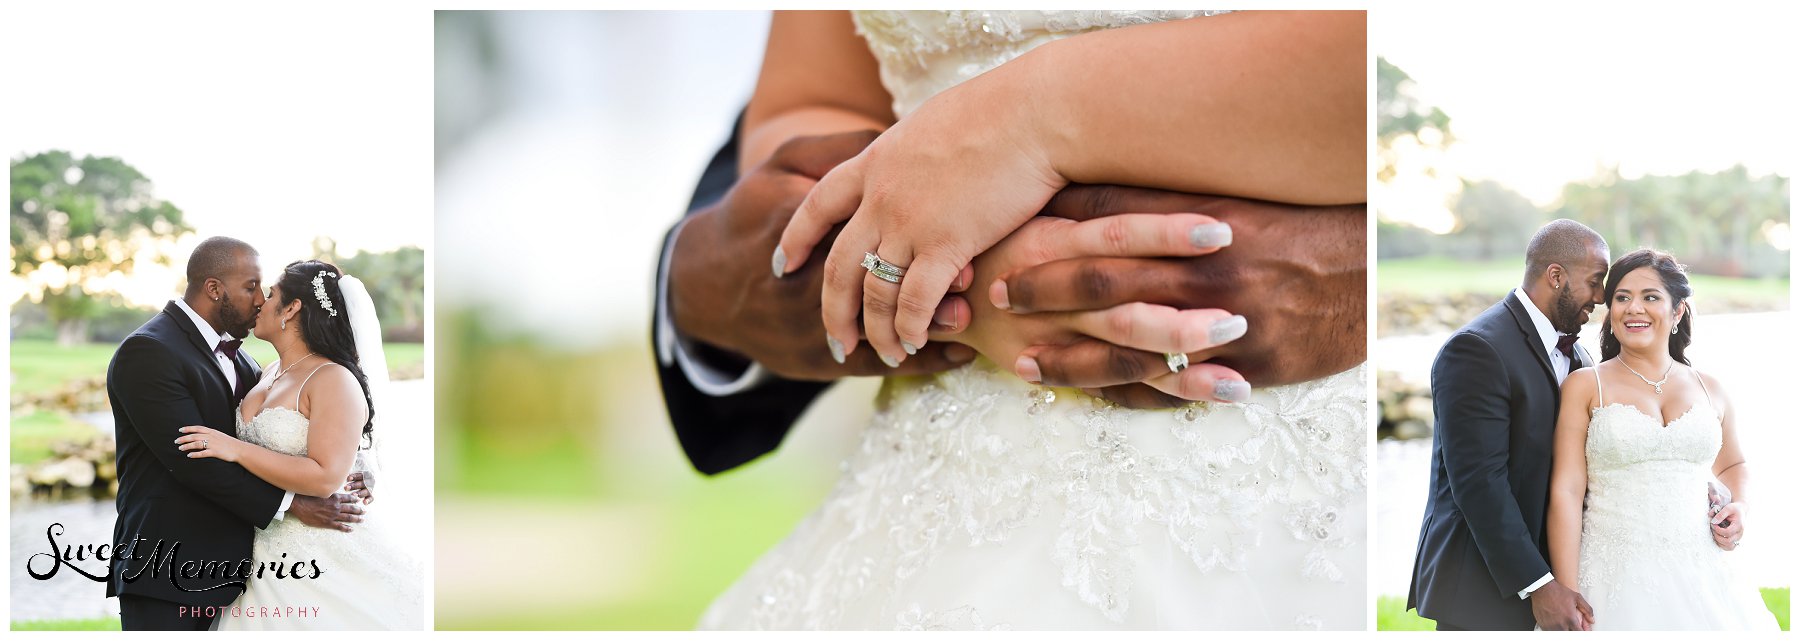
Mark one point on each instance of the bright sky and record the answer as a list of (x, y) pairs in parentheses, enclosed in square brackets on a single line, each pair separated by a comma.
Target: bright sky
[(250, 119), (1538, 99), (612, 118)]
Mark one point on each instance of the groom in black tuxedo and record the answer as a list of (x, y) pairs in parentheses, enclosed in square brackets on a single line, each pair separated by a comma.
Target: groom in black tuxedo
[(185, 526), (1482, 562)]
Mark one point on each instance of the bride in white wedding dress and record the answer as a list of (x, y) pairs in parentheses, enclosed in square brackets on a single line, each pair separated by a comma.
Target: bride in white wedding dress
[(301, 428), (1639, 438), (977, 500)]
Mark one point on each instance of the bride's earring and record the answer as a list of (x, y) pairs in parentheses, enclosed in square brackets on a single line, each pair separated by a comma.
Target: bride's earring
[(284, 324)]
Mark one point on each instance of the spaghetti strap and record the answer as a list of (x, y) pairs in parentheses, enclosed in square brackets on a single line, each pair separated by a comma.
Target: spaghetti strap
[(1599, 390), (303, 383), (1705, 391)]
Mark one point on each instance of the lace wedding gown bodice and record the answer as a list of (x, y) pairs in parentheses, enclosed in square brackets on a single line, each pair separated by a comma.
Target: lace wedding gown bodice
[(1648, 561), (367, 581), (978, 501)]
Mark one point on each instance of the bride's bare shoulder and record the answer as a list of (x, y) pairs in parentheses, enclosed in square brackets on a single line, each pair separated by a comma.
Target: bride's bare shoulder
[(1714, 388), (1580, 385)]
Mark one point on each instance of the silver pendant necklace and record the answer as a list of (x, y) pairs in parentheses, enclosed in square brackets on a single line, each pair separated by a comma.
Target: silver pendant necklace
[(297, 363), (1655, 384)]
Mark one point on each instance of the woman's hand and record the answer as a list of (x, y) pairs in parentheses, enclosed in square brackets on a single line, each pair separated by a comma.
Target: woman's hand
[(1015, 339), (205, 442), (1728, 526), (929, 195)]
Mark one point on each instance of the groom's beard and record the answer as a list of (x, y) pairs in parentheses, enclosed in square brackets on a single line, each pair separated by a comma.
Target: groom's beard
[(1567, 318), (237, 325)]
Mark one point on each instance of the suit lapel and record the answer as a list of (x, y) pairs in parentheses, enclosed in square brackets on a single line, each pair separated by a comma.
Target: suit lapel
[(1522, 319), (246, 373), (193, 333)]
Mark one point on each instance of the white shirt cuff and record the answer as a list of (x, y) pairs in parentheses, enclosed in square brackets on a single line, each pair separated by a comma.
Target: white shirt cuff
[(1526, 593), (287, 500), (672, 348)]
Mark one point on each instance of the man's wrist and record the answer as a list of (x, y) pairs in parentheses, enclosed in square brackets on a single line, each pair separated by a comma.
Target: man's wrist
[(681, 271), (287, 503), (1539, 584)]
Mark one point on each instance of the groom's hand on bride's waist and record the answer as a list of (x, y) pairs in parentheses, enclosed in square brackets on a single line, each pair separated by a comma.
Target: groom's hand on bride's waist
[(361, 485), (1297, 274), (335, 512), (721, 292)]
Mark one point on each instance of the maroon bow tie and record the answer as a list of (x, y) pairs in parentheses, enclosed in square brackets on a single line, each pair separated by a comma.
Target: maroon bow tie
[(230, 348), (1566, 345)]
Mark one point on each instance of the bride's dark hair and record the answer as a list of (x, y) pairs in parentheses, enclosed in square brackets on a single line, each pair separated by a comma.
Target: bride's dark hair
[(1675, 282), (325, 334)]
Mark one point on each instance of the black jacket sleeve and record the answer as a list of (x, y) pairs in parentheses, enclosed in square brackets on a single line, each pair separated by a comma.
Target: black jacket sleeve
[(159, 405), (719, 433), (1470, 388)]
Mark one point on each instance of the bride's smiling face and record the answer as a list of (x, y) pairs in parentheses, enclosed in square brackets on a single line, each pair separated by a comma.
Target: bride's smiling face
[(268, 319), (1639, 310)]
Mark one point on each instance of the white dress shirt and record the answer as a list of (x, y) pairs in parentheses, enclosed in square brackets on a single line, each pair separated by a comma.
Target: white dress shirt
[(212, 337), (671, 347), (1559, 364), (1548, 335)]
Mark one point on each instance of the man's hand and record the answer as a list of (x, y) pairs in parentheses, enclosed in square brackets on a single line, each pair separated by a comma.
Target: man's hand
[(361, 485), (1557, 607), (1728, 526), (1297, 274), (335, 512), (722, 292)]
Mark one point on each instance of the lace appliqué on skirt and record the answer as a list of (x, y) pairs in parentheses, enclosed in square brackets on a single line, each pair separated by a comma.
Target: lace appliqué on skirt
[(975, 458)]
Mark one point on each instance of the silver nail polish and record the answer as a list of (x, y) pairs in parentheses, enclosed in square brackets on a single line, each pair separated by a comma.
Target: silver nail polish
[(837, 349), (1231, 391), (778, 263), (891, 361), (1210, 235), (910, 350), (1228, 329)]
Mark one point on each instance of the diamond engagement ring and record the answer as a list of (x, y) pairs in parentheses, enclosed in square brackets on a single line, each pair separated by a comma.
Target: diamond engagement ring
[(1176, 361), (882, 269)]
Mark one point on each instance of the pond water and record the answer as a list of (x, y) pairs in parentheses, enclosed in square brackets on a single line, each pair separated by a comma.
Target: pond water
[(1750, 354)]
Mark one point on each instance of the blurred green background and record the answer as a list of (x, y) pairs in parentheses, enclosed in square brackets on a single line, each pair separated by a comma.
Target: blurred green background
[(564, 462), (563, 500)]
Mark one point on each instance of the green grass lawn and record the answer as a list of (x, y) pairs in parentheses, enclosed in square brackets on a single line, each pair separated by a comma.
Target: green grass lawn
[(32, 434), (41, 366), (706, 533), (1437, 275), (1391, 612), (102, 624)]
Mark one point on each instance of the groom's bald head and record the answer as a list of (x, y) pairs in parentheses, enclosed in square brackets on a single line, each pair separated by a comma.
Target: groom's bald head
[(218, 258), (1562, 242), (225, 284)]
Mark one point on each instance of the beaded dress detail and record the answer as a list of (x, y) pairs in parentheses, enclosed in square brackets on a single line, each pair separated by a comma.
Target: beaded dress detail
[(368, 579), (1648, 561)]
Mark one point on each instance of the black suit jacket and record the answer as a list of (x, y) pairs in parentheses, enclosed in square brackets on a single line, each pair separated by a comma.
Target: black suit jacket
[(722, 432), (164, 377), (1495, 396)]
